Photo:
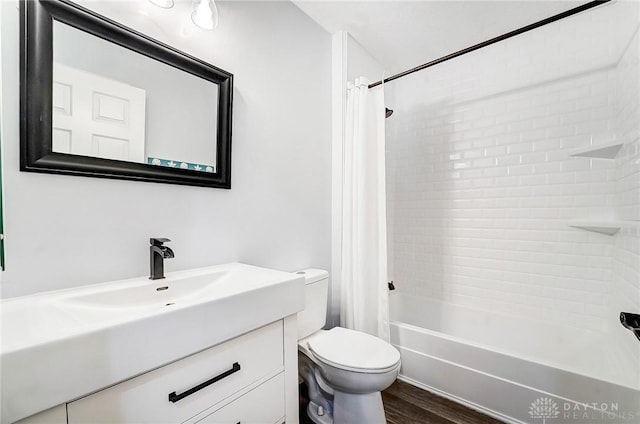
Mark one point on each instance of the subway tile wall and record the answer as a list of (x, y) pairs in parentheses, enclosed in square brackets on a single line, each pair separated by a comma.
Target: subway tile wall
[(482, 187), (626, 255)]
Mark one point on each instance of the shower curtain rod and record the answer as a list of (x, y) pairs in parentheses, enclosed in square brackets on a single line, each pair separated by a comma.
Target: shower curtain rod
[(502, 37)]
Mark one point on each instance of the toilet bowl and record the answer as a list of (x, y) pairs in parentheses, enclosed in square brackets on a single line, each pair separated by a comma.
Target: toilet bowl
[(345, 370)]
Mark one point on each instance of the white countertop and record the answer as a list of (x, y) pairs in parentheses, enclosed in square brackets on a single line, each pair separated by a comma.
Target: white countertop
[(61, 345)]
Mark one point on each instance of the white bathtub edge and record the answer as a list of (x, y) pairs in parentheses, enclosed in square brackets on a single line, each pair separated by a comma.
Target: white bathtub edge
[(452, 378)]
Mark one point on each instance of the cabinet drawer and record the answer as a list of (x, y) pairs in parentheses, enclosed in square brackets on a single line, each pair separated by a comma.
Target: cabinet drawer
[(262, 405), (145, 399)]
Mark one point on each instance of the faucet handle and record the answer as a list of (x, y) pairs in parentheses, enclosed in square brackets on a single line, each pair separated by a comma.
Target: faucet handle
[(158, 241)]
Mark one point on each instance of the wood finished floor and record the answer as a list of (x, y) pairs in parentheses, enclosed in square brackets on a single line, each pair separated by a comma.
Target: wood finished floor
[(407, 404)]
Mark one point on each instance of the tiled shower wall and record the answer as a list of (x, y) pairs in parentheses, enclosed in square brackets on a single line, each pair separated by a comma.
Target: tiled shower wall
[(482, 187), (626, 256)]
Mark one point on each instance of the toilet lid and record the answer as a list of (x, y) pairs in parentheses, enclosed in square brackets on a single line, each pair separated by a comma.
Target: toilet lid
[(353, 349)]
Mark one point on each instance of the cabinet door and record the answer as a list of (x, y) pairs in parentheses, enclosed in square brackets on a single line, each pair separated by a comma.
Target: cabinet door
[(146, 399), (262, 405)]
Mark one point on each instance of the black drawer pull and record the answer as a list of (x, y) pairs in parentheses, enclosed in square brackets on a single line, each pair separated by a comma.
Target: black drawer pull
[(173, 397)]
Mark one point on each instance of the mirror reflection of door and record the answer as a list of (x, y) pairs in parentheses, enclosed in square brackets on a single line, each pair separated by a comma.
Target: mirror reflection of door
[(97, 116)]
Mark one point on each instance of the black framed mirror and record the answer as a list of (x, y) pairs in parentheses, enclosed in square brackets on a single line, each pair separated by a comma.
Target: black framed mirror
[(99, 99)]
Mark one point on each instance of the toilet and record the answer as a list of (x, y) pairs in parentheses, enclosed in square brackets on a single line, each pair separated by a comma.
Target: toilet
[(345, 370)]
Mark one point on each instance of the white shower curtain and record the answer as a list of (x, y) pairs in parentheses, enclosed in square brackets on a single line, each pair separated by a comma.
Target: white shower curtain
[(365, 294)]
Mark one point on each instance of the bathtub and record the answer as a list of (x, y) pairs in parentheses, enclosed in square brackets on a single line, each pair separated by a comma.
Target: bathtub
[(514, 370)]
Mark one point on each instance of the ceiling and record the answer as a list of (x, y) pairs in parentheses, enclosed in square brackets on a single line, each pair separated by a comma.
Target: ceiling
[(404, 34)]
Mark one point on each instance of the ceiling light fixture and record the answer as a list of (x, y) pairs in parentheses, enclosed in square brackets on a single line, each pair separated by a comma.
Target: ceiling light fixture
[(204, 14)]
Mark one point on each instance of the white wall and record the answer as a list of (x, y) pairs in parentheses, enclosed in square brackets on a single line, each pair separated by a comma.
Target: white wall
[(65, 231), (485, 188), (360, 63)]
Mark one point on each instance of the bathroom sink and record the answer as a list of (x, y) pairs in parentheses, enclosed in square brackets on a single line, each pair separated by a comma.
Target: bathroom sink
[(150, 293), (94, 336)]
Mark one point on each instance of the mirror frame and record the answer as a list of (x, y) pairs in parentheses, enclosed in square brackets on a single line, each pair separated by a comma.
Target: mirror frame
[(36, 96)]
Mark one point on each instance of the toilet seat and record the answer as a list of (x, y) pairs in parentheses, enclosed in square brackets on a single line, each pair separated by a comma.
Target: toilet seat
[(352, 350)]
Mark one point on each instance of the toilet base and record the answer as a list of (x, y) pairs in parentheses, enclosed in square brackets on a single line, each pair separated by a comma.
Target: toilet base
[(313, 412), (349, 409), (358, 408)]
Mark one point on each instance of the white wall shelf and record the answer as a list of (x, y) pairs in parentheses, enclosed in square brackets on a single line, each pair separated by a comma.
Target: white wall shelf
[(603, 151), (603, 227)]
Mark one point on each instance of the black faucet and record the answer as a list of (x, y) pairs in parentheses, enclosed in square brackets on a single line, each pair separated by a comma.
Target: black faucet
[(157, 254), (631, 322)]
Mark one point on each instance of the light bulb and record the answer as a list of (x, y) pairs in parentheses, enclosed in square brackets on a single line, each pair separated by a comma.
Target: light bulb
[(205, 14), (165, 4)]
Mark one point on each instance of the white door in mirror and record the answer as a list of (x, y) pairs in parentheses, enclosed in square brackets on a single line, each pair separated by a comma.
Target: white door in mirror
[(97, 116)]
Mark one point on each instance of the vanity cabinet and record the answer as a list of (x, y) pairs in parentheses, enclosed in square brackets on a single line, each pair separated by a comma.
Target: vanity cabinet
[(264, 404), (230, 377), (226, 352)]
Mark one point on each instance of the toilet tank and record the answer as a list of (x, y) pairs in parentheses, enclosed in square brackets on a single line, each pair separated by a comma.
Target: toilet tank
[(314, 315)]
